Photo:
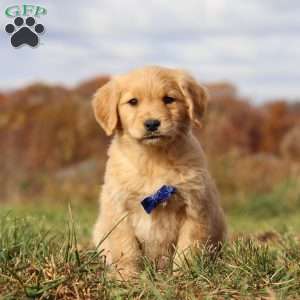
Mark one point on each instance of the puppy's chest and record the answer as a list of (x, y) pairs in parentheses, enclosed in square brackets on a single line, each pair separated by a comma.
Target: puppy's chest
[(159, 228), (138, 181), (162, 225)]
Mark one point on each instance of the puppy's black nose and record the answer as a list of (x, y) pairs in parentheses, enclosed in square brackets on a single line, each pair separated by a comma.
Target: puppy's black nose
[(152, 124)]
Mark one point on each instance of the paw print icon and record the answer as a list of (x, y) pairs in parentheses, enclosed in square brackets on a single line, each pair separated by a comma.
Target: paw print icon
[(24, 33)]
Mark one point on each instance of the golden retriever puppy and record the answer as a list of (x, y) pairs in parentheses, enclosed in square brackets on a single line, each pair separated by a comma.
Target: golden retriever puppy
[(151, 112)]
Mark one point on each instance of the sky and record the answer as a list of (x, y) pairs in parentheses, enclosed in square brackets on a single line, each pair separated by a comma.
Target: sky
[(254, 44)]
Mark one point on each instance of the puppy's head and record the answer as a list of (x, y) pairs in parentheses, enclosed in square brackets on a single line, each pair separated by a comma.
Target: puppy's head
[(152, 105)]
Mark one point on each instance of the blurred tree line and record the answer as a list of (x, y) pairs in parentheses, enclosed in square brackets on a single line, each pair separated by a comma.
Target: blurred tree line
[(51, 146)]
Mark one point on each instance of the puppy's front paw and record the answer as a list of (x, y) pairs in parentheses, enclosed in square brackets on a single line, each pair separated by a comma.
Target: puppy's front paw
[(126, 272), (182, 260)]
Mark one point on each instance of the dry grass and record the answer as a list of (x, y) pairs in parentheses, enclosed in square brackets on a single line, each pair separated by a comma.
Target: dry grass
[(45, 253)]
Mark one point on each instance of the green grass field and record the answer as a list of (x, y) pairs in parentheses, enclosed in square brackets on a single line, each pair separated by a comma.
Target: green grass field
[(45, 253)]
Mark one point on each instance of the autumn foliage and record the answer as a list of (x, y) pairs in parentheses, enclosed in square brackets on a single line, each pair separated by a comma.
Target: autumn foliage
[(50, 142)]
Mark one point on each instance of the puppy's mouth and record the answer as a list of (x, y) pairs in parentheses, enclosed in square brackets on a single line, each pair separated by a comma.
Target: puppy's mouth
[(153, 137)]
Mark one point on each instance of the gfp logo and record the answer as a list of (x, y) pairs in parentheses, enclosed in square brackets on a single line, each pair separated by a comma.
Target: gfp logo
[(25, 30)]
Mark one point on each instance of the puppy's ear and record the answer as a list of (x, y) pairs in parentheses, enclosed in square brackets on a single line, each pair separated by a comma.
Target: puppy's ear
[(105, 103), (196, 97)]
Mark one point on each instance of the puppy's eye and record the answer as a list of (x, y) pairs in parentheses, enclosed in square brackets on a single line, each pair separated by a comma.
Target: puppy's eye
[(133, 102), (168, 100)]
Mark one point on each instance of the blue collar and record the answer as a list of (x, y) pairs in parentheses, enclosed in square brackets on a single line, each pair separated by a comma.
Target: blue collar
[(160, 196)]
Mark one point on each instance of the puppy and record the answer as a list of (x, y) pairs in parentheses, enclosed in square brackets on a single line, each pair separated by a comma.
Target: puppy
[(151, 112)]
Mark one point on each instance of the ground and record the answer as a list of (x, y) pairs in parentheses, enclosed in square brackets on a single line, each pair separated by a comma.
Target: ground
[(45, 253)]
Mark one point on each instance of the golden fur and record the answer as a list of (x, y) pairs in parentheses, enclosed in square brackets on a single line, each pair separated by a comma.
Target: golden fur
[(138, 166)]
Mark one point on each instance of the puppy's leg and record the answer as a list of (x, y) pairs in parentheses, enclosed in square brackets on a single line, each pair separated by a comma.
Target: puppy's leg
[(125, 250), (191, 235), (204, 222), (120, 245)]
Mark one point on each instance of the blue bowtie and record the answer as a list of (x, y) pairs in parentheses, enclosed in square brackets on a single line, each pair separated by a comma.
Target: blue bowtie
[(160, 196)]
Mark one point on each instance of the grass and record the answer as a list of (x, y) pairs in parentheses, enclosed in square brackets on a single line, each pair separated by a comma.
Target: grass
[(45, 254)]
